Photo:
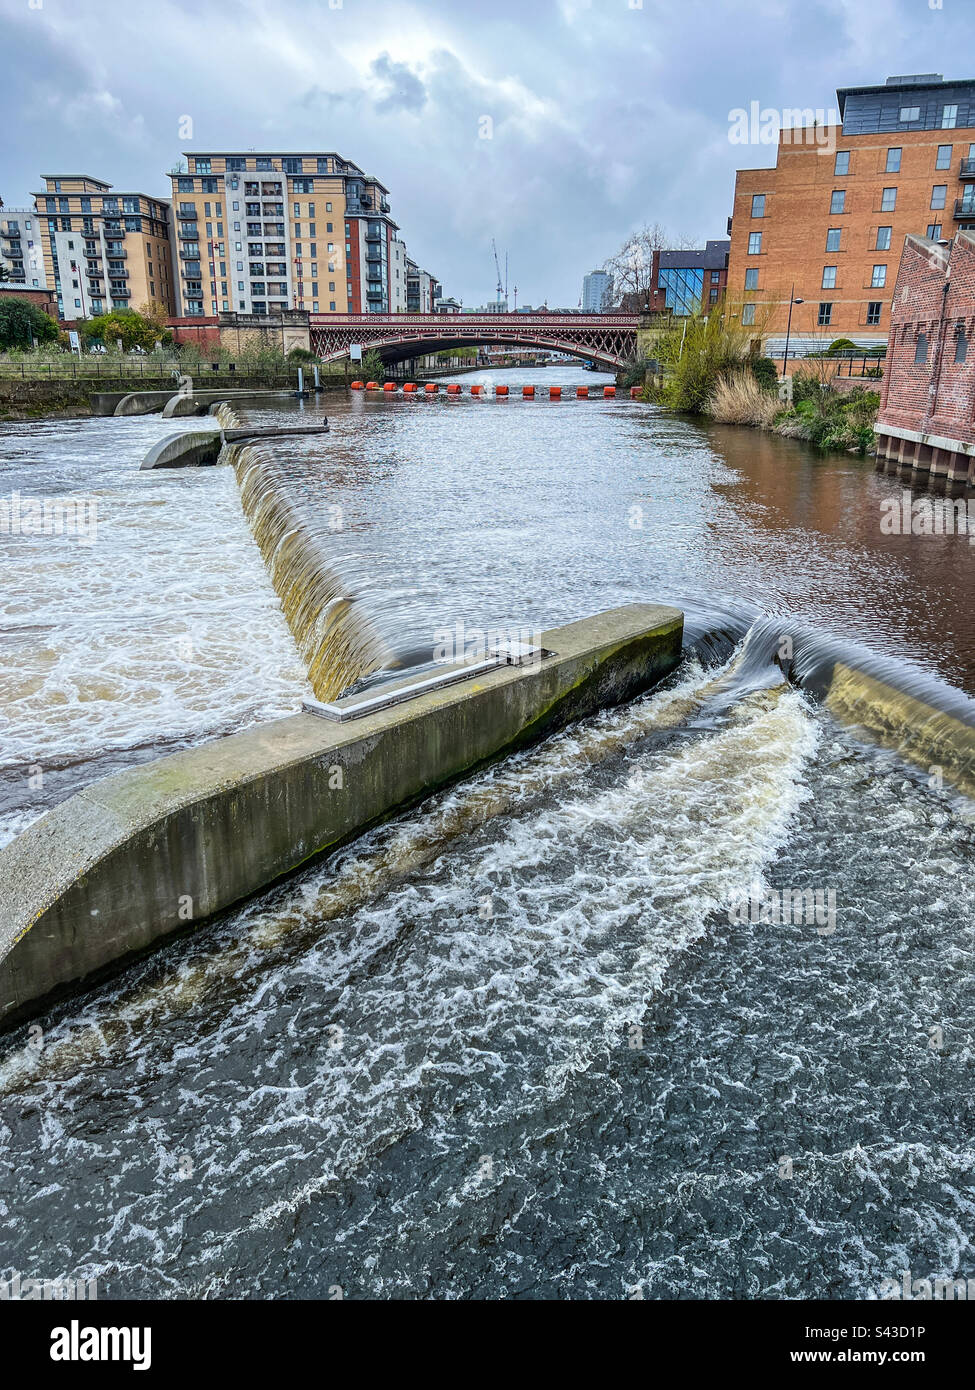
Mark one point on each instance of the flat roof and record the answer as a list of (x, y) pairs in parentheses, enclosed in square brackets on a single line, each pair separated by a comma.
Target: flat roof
[(918, 82), (85, 178)]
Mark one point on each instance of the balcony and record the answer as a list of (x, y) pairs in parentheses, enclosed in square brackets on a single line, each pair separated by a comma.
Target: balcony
[(121, 292), (274, 229), (967, 170), (375, 234), (190, 233), (189, 252), (116, 251), (964, 208)]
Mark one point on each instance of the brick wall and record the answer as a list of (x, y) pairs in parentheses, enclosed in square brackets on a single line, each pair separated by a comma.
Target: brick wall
[(934, 297)]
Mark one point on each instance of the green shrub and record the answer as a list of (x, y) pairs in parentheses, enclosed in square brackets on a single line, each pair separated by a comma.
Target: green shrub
[(765, 372)]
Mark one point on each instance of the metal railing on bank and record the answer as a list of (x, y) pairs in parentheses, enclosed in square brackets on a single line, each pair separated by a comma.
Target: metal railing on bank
[(129, 368)]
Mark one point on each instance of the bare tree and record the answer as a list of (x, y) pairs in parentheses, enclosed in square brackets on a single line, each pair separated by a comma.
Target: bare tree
[(632, 266)]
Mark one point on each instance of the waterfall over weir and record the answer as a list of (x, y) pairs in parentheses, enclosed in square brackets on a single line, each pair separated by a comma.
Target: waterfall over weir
[(337, 642)]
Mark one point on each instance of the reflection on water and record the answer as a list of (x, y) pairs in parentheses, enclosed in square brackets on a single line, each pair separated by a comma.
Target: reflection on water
[(513, 1044)]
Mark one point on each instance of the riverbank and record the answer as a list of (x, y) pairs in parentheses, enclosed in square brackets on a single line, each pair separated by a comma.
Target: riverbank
[(834, 419)]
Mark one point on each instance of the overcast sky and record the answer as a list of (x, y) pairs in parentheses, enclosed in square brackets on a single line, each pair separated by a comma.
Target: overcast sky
[(603, 114)]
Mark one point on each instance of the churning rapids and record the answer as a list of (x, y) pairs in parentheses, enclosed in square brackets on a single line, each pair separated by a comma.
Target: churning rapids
[(518, 1042)]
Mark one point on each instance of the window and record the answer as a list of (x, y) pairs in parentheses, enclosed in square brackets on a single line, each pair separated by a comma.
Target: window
[(292, 165), (236, 164), (949, 117), (921, 348), (961, 345), (939, 195), (842, 165), (829, 277), (202, 166), (263, 164), (748, 314), (331, 304), (879, 278), (328, 207), (323, 166), (758, 204), (825, 315), (894, 160), (934, 231), (837, 202), (755, 244), (888, 201), (210, 185), (873, 312), (944, 157), (751, 278), (883, 239), (910, 113)]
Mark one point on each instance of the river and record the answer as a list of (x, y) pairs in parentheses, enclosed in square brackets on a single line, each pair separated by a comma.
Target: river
[(515, 1043)]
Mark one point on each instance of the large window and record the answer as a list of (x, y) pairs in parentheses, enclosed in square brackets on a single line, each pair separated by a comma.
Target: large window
[(934, 231), (949, 118), (758, 205), (825, 315), (829, 277), (833, 238), (879, 278), (837, 202), (748, 314), (751, 278), (939, 195), (944, 157), (894, 160), (874, 309), (909, 114), (842, 165), (888, 201), (883, 238), (755, 244), (683, 287)]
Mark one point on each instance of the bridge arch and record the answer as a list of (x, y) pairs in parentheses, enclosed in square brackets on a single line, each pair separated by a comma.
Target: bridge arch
[(608, 339)]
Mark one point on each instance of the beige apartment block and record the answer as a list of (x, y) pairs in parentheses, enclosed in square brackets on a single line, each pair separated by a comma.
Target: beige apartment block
[(103, 250), (256, 233)]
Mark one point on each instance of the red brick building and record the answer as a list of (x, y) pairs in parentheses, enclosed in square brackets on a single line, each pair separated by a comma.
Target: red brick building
[(927, 402)]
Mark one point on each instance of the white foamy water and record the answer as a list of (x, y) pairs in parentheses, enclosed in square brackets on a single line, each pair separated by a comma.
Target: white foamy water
[(164, 630)]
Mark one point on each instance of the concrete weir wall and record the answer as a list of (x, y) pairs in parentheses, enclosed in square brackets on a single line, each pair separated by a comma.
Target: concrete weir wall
[(161, 847)]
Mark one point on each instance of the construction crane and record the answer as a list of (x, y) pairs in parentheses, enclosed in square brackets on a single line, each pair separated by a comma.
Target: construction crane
[(502, 286)]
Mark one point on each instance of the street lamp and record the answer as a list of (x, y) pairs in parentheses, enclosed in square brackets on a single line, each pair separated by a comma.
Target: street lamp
[(788, 332)]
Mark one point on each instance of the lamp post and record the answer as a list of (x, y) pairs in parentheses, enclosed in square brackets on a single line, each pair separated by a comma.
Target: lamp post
[(788, 332)]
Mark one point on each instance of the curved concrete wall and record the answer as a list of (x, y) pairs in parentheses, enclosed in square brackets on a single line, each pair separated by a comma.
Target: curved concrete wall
[(161, 847)]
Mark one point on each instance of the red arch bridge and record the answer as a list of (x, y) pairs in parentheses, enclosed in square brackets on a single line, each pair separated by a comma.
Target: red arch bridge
[(609, 339)]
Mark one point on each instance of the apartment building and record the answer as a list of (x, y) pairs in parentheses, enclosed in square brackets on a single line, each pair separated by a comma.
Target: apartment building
[(597, 292), (258, 233), (832, 216), (103, 250), (21, 253), (422, 289)]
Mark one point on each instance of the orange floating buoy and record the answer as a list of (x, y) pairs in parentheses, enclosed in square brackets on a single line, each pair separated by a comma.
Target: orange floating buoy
[(372, 385), (528, 390), (609, 390), (476, 390), (500, 390), (634, 392), (390, 386), (555, 393), (583, 391), (453, 390), (431, 386), (410, 386), (358, 385)]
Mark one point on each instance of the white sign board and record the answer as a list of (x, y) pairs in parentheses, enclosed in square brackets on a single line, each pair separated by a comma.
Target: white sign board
[(74, 338), (355, 352)]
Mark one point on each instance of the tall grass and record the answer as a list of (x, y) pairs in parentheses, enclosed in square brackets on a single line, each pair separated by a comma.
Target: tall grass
[(738, 399)]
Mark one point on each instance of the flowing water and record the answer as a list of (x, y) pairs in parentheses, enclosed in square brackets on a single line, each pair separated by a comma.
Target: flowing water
[(523, 1041)]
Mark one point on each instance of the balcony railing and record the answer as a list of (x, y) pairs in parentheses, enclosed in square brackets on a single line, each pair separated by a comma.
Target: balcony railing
[(967, 170), (964, 207)]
